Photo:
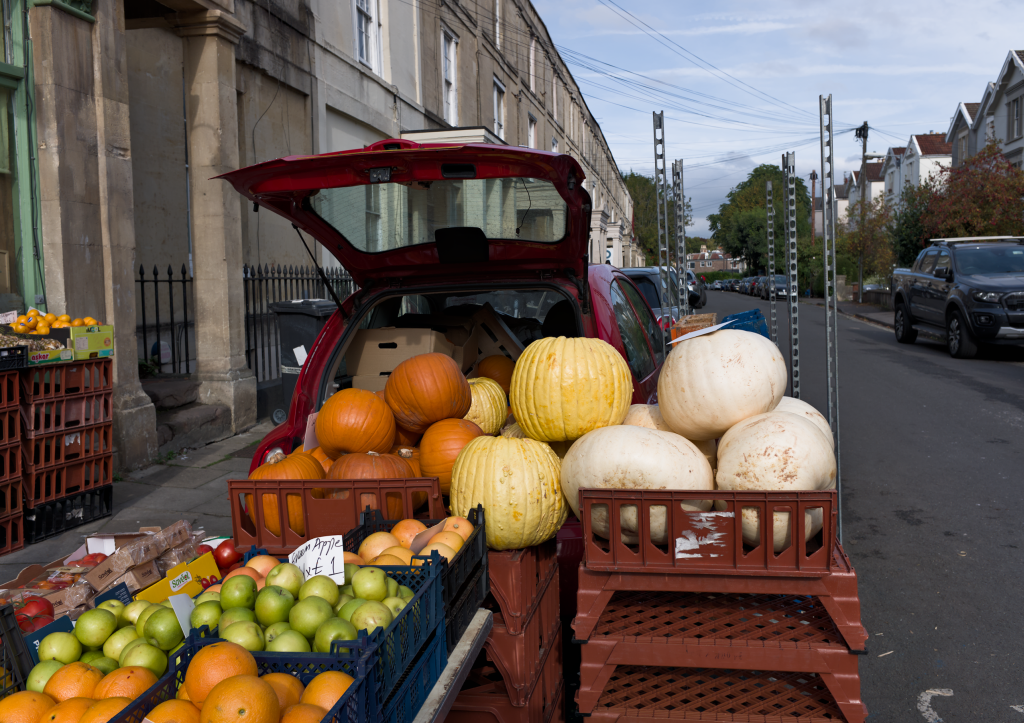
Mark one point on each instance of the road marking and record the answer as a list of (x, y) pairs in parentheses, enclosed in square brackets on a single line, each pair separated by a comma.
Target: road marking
[(1018, 708), (924, 703), (884, 654)]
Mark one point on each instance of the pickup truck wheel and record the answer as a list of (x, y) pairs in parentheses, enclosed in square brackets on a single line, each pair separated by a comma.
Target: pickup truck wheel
[(958, 337), (905, 333)]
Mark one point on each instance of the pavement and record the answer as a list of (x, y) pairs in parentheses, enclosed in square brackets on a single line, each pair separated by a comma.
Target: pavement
[(865, 312), (191, 485)]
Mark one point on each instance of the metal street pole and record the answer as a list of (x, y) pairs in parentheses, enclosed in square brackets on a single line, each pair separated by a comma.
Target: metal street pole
[(681, 264), (773, 313), (661, 199), (789, 165)]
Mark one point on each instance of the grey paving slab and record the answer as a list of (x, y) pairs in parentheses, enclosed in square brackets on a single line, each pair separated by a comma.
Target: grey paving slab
[(171, 475), (237, 467)]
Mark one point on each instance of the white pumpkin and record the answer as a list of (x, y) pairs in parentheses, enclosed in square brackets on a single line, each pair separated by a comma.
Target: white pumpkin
[(776, 451), (781, 535), (710, 383), (649, 416), (512, 430), (628, 457), (799, 407)]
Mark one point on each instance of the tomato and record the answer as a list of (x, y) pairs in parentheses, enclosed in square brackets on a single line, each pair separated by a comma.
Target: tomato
[(92, 560), (41, 621), (203, 549), (36, 606), (226, 555)]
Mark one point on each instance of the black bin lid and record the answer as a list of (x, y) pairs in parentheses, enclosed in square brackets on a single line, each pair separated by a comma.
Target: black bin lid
[(305, 307)]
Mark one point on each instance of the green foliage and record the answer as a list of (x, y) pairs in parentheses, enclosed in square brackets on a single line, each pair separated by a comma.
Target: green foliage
[(717, 275), (868, 237), (907, 223), (645, 215)]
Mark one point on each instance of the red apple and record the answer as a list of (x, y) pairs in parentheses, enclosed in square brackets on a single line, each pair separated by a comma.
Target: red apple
[(226, 555), (203, 549)]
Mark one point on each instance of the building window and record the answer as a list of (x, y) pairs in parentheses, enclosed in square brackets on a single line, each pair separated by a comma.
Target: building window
[(1015, 125), (554, 144), (961, 150), (531, 132), (533, 64), (499, 109), (449, 46), (497, 23), (366, 32), (554, 94)]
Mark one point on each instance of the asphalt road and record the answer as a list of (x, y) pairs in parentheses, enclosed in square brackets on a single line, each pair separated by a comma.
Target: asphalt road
[(932, 470)]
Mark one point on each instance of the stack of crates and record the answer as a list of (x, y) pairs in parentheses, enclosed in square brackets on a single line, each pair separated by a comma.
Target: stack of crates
[(680, 619), (66, 445), (11, 523), (518, 676)]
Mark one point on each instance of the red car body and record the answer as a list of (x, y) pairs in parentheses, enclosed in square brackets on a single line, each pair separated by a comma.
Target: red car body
[(603, 297)]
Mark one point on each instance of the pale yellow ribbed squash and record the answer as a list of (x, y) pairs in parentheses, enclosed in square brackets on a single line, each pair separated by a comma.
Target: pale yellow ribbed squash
[(489, 407)]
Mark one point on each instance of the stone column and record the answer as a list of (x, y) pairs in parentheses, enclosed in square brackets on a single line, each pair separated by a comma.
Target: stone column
[(210, 37)]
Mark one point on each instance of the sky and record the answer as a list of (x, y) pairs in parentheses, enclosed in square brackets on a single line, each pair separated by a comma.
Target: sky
[(739, 81)]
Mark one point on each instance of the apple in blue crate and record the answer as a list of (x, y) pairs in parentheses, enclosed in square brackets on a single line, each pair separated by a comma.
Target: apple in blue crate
[(320, 586), (274, 630), (370, 583), (105, 665), (163, 630), (63, 647), (371, 615), (350, 607), (146, 656), (288, 576), (333, 629), (246, 634), (128, 647), (205, 613), (290, 641), (392, 587), (394, 604), (133, 609), (273, 605), (405, 593), (41, 673), (115, 643), (239, 591), (236, 615), (206, 597), (116, 607), (143, 616), (93, 627), (309, 614), (342, 599)]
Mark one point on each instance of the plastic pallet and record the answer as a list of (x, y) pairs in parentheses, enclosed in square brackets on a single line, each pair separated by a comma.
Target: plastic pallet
[(12, 535), (55, 381), (698, 630), (53, 518), (15, 659), (66, 414), (414, 687), (321, 515), (10, 462), (519, 657), (11, 498), (353, 707), (643, 694), (49, 485), (10, 390), (458, 616), (53, 450), (517, 578), (10, 427), (835, 591)]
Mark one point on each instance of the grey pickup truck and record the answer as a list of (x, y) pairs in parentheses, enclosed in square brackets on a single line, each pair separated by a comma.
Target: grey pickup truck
[(970, 288)]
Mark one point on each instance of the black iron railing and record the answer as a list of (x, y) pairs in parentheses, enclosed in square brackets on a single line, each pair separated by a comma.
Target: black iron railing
[(167, 332)]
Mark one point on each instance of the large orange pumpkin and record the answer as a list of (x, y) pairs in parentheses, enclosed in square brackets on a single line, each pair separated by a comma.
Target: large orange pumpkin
[(410, 455), (406, 438), (499, 368), (370, 466), (441, 444), (426, 389), (322, 457), (354, 420), (301, 465)]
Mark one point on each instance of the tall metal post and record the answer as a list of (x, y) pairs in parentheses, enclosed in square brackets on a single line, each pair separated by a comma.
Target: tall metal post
[(681, 263), (661, 198), (789, 165), (773, 313), (828, 232)]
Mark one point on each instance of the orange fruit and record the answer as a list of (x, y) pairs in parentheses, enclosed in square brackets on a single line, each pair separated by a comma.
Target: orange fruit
[(288, 688), (182, 693), (243, 571), (460, 525), (130, 682), (33, 312), (21, 319), (263, 564), (442, 549), (303, 713), (215, 663), (405, 530), (452, 539), (354, 559), (70, 711), (174, 711), (103, 711), (74, 680), (21, 328), (32, 322), (77, 322), (64, 317), (241, 699), (326, 689), (25, 707), (40, 329), (50, 318), (376, 544), (385, 559)]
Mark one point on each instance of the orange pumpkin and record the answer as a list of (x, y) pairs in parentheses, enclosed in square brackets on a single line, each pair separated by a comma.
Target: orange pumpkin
[(354, 420), (499, 368), (410, 455), (322, 457), (426, 389), (380, 393), (301, 465), (406, 438), (370, 465), (441, 444)]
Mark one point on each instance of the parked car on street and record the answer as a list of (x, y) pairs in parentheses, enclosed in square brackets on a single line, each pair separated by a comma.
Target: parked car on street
[(744, 285), (970, 288), (755, 286), (448, 262), (782, 290), (697, 289)]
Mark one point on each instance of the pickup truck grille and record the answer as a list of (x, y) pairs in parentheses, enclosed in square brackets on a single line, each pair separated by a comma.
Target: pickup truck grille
[(1014, 301)]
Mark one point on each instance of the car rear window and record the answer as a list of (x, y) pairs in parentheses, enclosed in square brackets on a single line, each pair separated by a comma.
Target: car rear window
[(648, 289)]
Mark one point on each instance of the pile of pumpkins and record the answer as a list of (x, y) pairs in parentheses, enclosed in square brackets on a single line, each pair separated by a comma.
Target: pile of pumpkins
[(523, 437)]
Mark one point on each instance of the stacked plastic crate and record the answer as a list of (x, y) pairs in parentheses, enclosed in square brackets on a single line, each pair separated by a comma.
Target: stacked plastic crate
[(518, 677), (66, 446), (11, 523), (679, 619)]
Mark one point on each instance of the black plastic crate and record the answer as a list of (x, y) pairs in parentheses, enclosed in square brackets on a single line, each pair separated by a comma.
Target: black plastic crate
[(471, 598), (52, 518), (15, 659), (13, 357)]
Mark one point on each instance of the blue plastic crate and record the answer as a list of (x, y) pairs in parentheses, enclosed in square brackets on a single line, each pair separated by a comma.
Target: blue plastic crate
[(412, 691), (752, 320), (356, 706)]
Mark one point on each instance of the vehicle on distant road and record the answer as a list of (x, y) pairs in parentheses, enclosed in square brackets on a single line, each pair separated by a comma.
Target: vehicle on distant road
[(782, 290), (718, 285), (971, 288), (744, 285)]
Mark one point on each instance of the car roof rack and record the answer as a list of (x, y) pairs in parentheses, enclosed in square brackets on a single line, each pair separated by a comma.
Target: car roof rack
[(973, 240)]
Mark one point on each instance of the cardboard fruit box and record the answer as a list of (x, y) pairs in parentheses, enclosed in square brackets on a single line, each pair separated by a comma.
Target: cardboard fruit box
[(184, 579)]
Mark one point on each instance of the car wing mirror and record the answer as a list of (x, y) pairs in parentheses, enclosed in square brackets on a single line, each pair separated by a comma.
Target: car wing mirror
[(943, 273)]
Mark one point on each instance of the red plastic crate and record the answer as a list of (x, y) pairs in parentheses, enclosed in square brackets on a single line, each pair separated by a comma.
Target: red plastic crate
[(327, 515), (49, 485), (646, 694), (10, 463), (67, 413), (570, 555), (519, 658), (10, 427), (53, 381), (12, 534), (11, 498), (53, 450), (517, 578), (10, 389)]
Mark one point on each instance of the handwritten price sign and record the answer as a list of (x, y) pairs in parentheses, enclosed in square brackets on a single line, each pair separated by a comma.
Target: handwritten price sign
[(321, 556)]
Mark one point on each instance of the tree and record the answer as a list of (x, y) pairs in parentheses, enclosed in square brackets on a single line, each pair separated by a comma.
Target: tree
[(869, 238), (984, 196), (907, 222), (645, 214)]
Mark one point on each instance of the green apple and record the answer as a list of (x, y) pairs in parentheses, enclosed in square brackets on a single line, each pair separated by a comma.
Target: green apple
[(64, 647), (146, 656), (236, 615), (309, 614), (206, 597), (350, 607), (140, 621), (394, 604), (370, 583), (246, 634), (405, 593), (163, 630), (93, 627), (392, 587), (41, 673), (116, 607), (116, 642), (91, 655), (205, 613), (133, 609), (342, 599), (347, 589), (290, 641), (238, 592), (350, 569), (106, 665), (274, 630), (320, 586), (333, 629), (288, 576), (273, 604), (129, 646), (371, 615)]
